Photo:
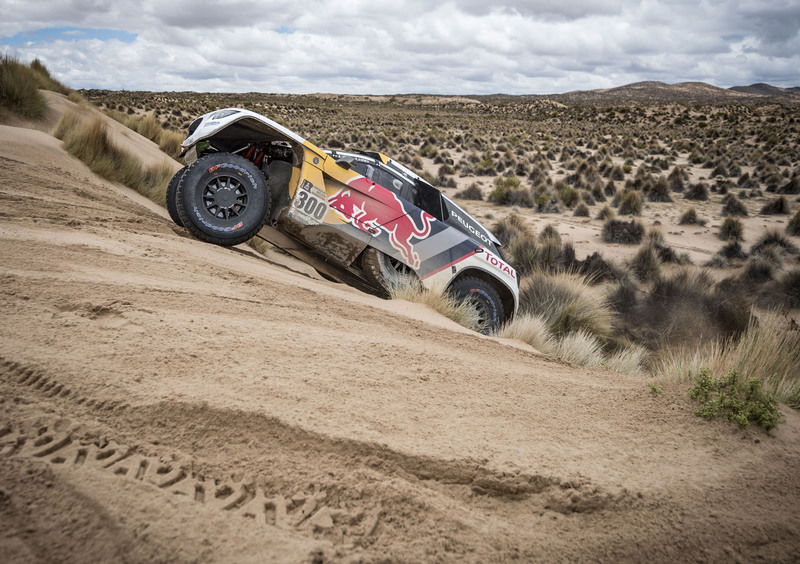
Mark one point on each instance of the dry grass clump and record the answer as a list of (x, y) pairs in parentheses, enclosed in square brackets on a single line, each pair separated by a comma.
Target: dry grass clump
[(19, 89), (793, 227), (618, 231), (769, 349), (685, 307), (409, 288), (529, 328), (690, 217), (628, 360), (733, 206), (731, 230), (148, 126), (697, 192), (645, 264), (507, 192), (631, 203), (88, 140), (568, 302), (471, 192), (778, 206), (579, 347), (45, 80)]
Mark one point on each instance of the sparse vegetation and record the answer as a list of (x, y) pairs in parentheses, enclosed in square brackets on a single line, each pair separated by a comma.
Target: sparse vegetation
[(625, 232), (19, 89), (408, 288), (88, 139), (731, 230), (739, 400)]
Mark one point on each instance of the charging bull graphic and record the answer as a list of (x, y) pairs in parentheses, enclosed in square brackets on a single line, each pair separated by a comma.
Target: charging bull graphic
[(382, 209)]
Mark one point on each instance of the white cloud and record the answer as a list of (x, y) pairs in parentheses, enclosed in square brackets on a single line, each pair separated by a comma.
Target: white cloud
[(460, 46)]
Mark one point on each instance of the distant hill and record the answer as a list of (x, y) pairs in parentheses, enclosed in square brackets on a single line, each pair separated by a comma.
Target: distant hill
[(763, 89), (681, 92)]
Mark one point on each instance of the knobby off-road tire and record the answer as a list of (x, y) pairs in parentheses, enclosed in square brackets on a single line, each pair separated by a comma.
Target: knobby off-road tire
[(486, 300), (172, 193), (384, 272), (223, 199)]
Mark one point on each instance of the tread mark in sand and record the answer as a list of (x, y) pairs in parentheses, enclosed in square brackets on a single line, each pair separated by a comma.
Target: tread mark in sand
[(303, 511), (36, 379)]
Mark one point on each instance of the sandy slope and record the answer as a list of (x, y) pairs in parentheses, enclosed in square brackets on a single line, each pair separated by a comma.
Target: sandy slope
[(167, 400)]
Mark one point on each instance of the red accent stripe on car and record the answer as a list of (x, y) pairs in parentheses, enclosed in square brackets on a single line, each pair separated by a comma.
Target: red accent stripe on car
[(448, 265)]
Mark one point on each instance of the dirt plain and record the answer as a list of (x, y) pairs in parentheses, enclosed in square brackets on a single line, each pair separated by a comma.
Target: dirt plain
[(164, 400)]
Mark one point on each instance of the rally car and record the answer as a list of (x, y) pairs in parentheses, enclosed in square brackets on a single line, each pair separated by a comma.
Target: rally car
[(357, 217)]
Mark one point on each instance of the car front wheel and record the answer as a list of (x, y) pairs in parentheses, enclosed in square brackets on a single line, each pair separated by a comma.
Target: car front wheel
[(223, 199), (484, 298)]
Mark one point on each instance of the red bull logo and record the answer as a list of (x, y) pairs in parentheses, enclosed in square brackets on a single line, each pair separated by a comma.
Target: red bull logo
[(383, 210)]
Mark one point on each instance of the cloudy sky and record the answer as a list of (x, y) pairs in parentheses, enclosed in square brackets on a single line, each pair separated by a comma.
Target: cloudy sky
[(402, 46)]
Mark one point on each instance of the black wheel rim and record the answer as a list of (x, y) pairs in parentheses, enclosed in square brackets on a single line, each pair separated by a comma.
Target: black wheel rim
[(225, 197), (483, 309)]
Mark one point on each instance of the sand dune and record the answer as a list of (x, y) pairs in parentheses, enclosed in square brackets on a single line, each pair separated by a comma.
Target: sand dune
[(168, 400)]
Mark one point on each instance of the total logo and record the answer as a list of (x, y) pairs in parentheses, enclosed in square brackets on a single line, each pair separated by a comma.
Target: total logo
[(498, 264)]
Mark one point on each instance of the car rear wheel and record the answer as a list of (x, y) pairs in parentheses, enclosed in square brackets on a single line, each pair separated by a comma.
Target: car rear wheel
[(172, 192), (484, 298), (223, 199), (386, 273)]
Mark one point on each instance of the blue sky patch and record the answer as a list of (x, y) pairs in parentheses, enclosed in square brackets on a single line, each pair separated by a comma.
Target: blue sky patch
[(283, 30), (50, 34)]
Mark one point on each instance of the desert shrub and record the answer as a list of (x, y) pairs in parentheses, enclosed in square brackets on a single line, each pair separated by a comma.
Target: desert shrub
[(610, 189), (783, 292), (531, 329), (567, 302), (645, 263), (733, 250), (772, 240), (509, 227), (690, 217), (739, 400), (660, 191), (793, 227), (734, 206), (549, 232), (579, 347), (731, 230), (605, 213), (791, 187), (685, 307), (408, 288), (777, 206), (19, 89), (625, 232), (675, 180), (568, 196), (769, 349), (89, 141), (471, 192), (697, 191), (507, 192), (758, 270), (581, 210), (631, 203)]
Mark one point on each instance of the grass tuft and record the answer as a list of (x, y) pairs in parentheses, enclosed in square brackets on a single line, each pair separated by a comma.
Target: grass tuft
[(410, 289), (579, 347), (531, 329), (88, 139), (567, 302), (769, 349), (19, 89)]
